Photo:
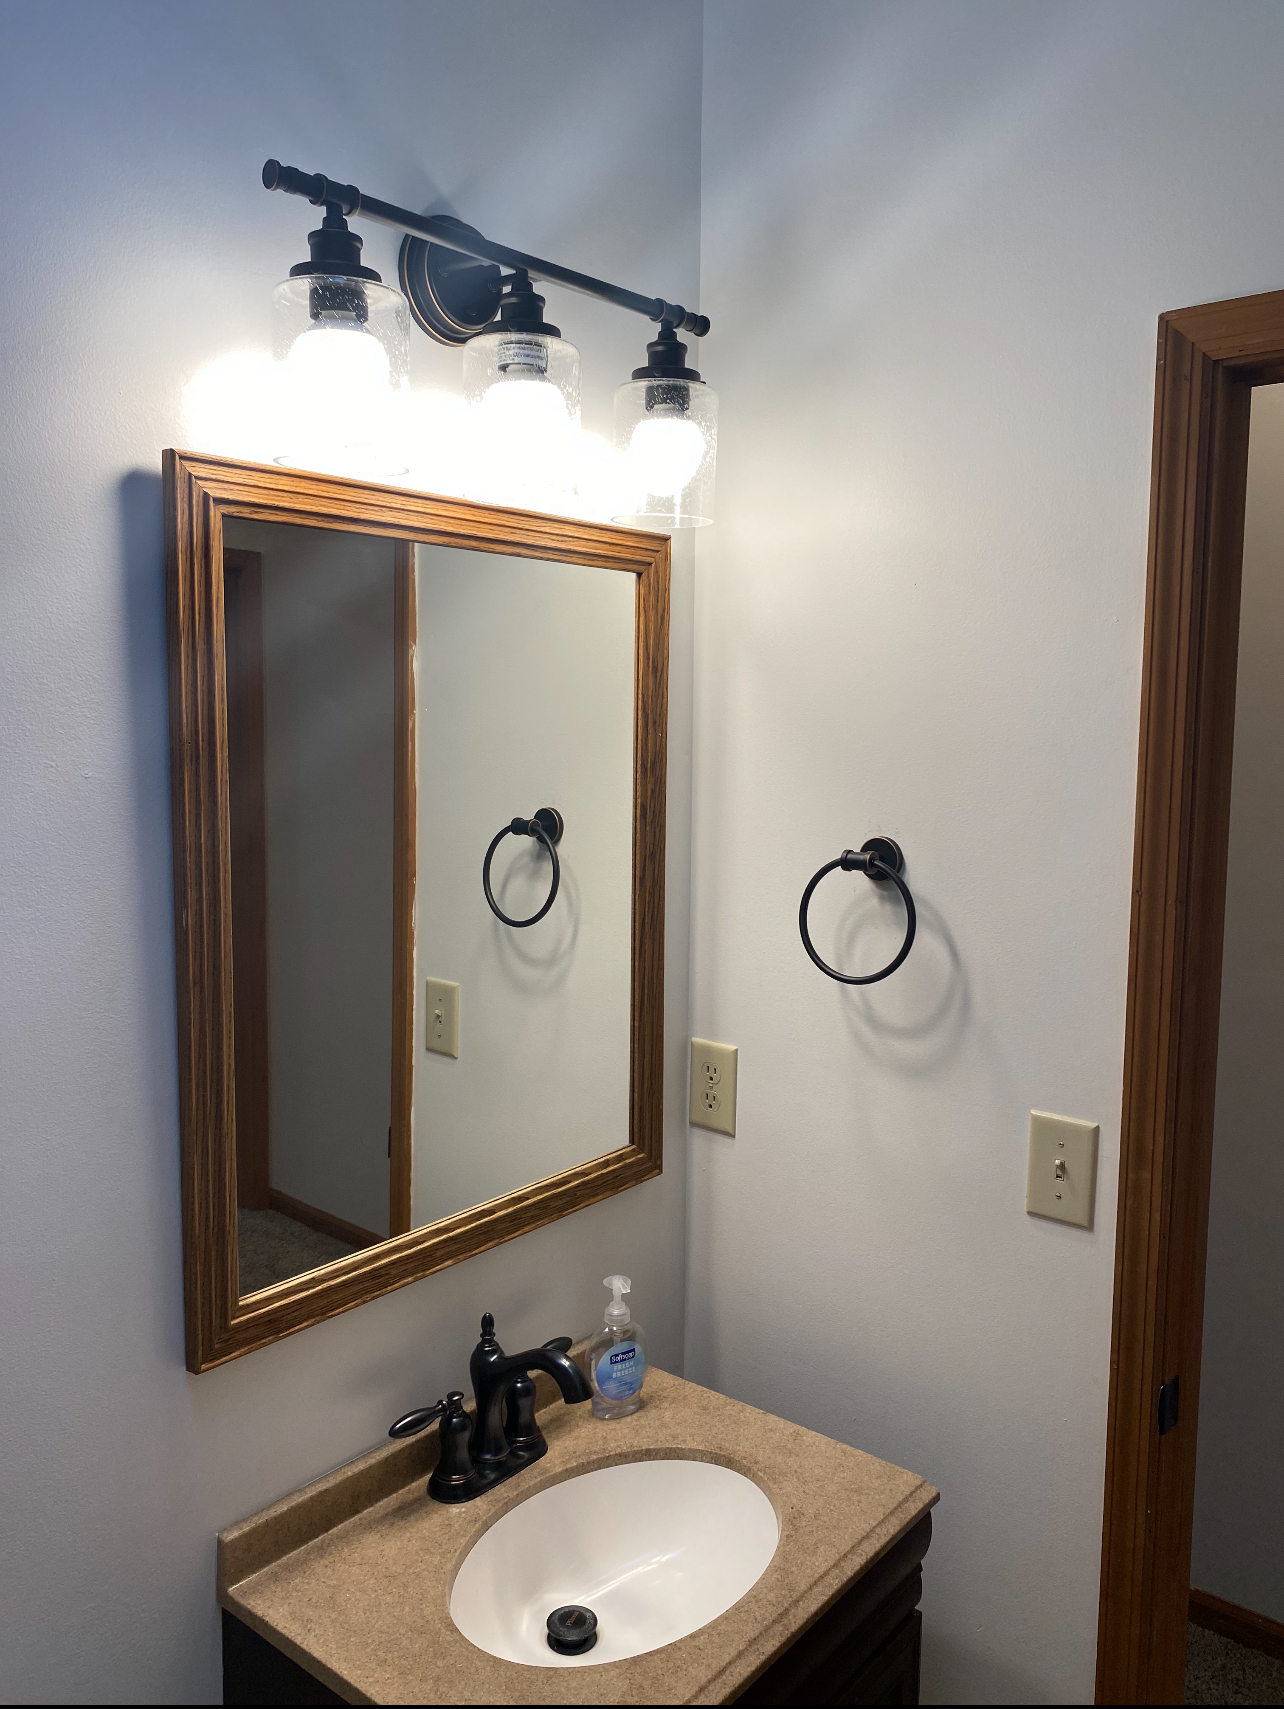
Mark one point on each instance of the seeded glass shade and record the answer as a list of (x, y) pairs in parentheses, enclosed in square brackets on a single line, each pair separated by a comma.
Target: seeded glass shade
[(343, 351), (666, 432), (523, 393)]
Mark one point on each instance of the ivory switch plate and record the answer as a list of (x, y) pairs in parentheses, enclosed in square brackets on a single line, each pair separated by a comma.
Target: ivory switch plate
[(1062, 1180), (441, 1004), (713, 1086)]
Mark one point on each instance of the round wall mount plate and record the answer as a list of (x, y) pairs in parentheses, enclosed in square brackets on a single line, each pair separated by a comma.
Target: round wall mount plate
[(450, 295), (888, 852), (552, 822)]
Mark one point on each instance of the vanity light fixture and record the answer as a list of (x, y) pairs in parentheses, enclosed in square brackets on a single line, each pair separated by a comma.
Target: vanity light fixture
[(666, 431), (520, 376), (343, 339), (522, 380)]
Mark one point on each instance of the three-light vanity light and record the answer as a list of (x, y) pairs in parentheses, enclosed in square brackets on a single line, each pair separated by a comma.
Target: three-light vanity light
[(343, 339)]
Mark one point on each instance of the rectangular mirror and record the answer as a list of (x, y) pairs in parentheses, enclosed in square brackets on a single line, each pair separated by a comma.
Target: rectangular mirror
[(418, 769)]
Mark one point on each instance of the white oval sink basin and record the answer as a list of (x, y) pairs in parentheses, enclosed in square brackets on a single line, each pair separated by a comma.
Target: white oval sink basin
[(656, 1548)]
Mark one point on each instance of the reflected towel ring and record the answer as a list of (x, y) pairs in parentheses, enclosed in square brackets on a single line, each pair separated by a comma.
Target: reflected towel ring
[(548, 826), (879, 859)]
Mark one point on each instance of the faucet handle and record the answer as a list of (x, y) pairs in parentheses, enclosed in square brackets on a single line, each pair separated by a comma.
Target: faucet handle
[(453, 1477), (411, 1423)]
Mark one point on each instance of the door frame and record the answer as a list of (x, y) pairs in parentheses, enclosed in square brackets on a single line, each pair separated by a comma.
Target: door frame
[(247, 817), (1209, 359)]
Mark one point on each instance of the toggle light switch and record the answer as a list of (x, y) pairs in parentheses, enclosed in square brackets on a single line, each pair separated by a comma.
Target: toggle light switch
[(1062, 1178), (441, 1002)]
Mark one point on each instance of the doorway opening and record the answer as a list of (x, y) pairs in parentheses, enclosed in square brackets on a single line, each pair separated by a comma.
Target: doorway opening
[(1210, 359)]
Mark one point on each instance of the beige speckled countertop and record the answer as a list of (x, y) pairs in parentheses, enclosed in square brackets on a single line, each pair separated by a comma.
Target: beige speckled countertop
[(352, 1575)]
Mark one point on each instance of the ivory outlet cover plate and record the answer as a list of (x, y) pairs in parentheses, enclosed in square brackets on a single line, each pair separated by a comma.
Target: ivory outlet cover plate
[(1062, 1179), (713, 1086), (441, 1005)]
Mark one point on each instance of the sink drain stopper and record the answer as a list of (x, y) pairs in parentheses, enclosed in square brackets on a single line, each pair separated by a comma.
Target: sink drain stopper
[(572, 1630)]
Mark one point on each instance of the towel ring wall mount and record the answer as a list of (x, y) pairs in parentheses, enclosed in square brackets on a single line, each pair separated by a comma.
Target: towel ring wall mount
[(881, 860), (547, 827)]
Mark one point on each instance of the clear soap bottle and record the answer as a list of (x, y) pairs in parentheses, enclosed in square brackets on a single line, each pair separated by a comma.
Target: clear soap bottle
[(617, 1357)]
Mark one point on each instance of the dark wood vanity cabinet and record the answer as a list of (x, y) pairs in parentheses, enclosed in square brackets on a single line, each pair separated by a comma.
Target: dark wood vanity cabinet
[(255, 1671), (865, 1649)]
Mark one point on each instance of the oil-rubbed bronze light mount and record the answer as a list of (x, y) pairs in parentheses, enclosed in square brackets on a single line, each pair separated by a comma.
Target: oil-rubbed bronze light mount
[(451, 274)]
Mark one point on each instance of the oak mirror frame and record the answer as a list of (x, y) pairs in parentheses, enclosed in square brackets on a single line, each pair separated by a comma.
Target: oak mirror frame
[(200, 492)]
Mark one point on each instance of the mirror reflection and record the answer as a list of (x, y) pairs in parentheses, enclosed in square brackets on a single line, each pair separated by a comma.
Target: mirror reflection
[(405, 1050)]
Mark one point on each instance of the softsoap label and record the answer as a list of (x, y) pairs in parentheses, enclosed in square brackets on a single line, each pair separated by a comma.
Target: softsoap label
[(620, 1371)]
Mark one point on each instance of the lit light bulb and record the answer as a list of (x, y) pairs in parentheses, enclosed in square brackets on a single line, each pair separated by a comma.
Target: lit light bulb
[(524, 444), (337, 397), (522, 383), (522, 406), (665, 452), (342, 348), (339, 367), (666, 430)]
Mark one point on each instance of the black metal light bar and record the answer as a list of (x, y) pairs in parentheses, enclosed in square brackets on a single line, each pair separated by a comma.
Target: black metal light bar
[(452, 301)]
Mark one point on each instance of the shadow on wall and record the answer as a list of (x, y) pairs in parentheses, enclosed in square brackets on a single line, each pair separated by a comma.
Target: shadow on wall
[(537, 960), (935, 1019), (140, 513)]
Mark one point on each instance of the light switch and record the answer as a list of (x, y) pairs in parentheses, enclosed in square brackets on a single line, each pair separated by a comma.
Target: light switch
[(441, 1002), (713, 1086), (1062, 1180)]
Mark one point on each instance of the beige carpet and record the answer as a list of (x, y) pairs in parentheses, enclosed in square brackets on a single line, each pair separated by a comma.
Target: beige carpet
[(274, 1247), (1218, 1670)]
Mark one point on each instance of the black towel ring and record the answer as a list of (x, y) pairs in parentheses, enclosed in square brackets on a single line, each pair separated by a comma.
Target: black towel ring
[(548, 826), (880, 859)]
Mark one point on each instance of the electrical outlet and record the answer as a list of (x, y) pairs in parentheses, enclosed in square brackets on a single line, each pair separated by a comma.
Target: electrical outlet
[(713, 1086), (1062, 1179), (441, 1004)]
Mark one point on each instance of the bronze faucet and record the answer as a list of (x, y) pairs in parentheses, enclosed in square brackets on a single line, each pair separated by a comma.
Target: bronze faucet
[(503, 1438)]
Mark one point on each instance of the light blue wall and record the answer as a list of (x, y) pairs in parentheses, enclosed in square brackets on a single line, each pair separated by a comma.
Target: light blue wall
[(936, 238), (138, 243)]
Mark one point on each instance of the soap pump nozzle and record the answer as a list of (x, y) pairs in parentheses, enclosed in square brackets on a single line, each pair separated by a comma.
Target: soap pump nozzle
[(617, 1311)]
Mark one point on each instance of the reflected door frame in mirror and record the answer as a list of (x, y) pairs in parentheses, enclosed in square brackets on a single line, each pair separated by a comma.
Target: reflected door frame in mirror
[(199, 493)]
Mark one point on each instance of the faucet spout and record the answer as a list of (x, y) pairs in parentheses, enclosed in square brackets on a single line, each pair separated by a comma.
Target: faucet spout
[(557, 1363), (490, 1441)]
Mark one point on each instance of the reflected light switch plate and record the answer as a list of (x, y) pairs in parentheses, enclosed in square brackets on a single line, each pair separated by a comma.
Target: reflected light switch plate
[(1062, 1179), (442, 1008)]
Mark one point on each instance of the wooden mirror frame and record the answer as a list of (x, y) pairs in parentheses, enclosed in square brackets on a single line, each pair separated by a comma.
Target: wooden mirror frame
[(199, 492)]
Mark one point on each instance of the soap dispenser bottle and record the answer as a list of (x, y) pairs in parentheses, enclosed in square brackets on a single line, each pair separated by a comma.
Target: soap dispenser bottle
[(617, 1357)]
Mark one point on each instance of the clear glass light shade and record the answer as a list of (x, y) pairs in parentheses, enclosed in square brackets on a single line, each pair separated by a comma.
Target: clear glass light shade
[(343, 349), (523, 393), (666, 432)]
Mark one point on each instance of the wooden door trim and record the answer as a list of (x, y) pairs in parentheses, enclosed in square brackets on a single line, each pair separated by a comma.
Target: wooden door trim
[(247, 778), (247, 813), (198, 492), (1209, 358), (404, 846)]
